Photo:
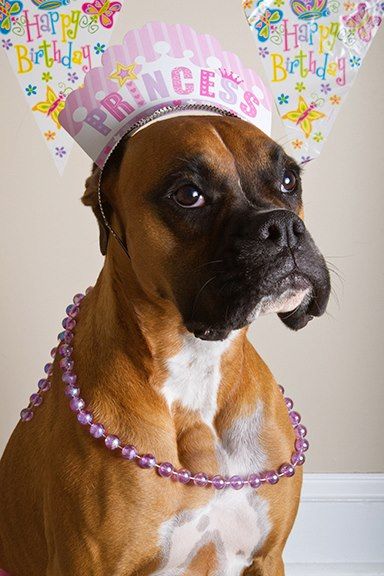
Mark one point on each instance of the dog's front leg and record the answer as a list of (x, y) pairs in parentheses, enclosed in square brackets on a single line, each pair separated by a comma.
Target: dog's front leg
[(110, 547)]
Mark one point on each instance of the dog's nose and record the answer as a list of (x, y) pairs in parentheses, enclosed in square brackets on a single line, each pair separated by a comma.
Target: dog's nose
[(281, 227)]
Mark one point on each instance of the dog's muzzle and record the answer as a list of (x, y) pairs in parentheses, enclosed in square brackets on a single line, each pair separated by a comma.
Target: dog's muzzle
[(268, 262)]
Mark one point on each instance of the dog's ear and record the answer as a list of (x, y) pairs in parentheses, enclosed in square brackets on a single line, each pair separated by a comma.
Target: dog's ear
[(110, 178), (90, 199)]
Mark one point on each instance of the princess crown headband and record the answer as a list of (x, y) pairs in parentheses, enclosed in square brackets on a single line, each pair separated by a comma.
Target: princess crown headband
[(160, 68)]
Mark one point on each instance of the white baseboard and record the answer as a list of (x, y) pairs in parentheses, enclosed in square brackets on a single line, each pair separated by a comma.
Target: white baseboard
[(334, 570), (339, 529)]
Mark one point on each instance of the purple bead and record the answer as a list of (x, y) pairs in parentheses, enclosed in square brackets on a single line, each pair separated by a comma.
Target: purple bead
[(53, 352), (68, 337), (147, 461), (72, 310), (44, 385), (26, 415), (183, 476), (69, 378), (297, 459), (76, 404), (271, 477), (288, 403), (254, 480), (112, 442), (218, 482), (236, 482), (301, 444), (89, 289), (97, 430), (66, 364), (60, 336), (281, 388), (72, 391), (287, 470), (48, 368), (36, 400), (78, 298), (200, 479), (85, 418), (295, 417), (165, 469), (65, 350), (300, 431), (129, 452), (68, 323)]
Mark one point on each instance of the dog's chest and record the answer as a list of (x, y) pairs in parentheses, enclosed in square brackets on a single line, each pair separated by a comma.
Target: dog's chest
[(234, 522)]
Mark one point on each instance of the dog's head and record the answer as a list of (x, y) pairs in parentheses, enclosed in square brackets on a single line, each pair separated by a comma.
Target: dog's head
[(209, 208)]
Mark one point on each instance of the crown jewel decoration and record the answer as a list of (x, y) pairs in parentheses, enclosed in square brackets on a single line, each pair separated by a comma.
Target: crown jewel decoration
[(230, 76), (157, 67)]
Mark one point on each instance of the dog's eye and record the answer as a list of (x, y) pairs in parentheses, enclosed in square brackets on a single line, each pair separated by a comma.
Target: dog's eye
[(289, 182), (189, 197)]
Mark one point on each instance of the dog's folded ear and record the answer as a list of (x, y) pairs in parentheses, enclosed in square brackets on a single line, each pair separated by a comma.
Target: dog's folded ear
[(90, 199), (110, 177)]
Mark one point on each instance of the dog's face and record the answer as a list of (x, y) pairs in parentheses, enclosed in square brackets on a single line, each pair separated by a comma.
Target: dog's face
[(209, 209)]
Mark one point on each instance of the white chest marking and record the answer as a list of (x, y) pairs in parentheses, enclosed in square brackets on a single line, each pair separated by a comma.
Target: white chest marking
[(194, 376), (237, 523)]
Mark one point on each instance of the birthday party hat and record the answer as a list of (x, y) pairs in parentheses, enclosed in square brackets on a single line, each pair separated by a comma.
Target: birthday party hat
[(312, 51), (51, 44), (159, 69)]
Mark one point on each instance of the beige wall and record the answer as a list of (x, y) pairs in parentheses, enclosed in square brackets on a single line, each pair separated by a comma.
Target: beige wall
[(49, 250)]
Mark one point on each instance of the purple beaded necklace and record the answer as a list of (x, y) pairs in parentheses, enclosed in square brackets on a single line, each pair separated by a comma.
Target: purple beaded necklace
[(129, 452)]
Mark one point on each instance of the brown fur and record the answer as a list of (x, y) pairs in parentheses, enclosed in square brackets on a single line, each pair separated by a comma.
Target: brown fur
[(69, 507)]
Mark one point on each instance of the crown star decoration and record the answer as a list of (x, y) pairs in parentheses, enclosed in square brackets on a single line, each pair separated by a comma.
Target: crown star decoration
[(156, 68), (124, 73)]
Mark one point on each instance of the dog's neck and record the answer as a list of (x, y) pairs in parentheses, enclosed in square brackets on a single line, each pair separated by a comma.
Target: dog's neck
[(194, 376), (140, 346)]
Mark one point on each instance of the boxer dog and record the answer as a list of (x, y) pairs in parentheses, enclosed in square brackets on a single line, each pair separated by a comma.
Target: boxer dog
[(209, 209)]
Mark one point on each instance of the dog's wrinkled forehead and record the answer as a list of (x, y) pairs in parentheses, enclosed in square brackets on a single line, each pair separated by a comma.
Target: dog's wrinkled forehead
[(223, 153), (206, 144)]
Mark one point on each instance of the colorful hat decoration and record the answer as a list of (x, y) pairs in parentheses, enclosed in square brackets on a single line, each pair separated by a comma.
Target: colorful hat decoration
[(309, 9), (160, 68), (312, 51), (50, 4), (50, 45)]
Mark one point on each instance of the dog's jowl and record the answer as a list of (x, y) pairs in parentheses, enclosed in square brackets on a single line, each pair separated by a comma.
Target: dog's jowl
[(209, 210)]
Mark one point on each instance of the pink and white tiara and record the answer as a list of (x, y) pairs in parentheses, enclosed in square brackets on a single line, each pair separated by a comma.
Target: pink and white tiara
[(158, 69)]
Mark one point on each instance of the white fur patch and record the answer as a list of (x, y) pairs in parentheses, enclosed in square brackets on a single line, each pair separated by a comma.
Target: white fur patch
[(194, 375), (236, 522)]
